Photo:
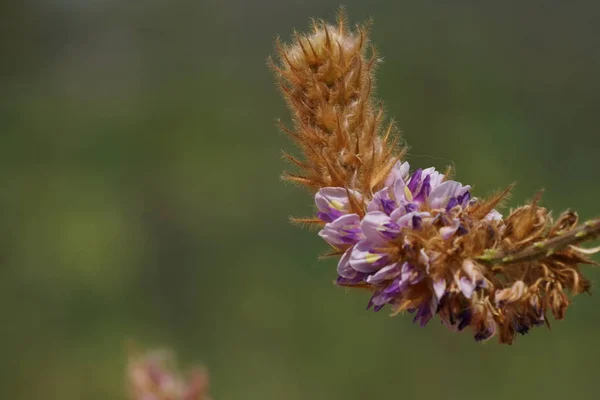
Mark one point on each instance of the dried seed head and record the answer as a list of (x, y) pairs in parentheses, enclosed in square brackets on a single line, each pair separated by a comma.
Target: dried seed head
[(327, 78)]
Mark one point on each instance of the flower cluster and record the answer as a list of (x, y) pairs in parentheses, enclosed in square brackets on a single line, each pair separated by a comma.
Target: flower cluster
[(415, 242), (382, 249)]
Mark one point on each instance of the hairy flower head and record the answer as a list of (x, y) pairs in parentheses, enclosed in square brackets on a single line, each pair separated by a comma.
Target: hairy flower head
[(327, 79), (418, 240)]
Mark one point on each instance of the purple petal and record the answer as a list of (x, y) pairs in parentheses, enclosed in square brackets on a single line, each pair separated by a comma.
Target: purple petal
[(435, 177), (343, 231), (410, 274), (379, 228), (448, 231), (425, 312), (441, 195), (408, 220), (423, 194), (344, 269), (366, 258), (394, 288), (416, 222), (464, 199), (391, 292), (398, 173), (384, 274), (411, 207), (382, 202), (332, 202), (346, 281), (415, 181), (453, 202)]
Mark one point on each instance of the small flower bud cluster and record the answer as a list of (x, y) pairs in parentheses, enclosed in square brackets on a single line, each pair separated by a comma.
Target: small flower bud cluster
[(153, 377)]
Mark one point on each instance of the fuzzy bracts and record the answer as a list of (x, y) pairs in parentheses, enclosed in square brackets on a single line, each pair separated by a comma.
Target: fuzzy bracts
[(419, 241)]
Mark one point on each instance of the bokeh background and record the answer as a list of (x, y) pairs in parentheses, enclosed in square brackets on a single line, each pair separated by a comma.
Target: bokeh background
[(141, 197)]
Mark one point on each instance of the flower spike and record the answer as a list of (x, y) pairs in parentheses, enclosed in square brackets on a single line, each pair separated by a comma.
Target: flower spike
[(418, 241)]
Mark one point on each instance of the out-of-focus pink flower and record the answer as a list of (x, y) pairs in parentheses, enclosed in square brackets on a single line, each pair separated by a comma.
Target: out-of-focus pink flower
[(153, 376)]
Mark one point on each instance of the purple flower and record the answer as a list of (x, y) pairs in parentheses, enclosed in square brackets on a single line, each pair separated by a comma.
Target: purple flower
[(402, 277), (410, 274), (442, 195), (344, 269), (398, 173), (409, 201), (449, 230), (415, 182), (367, 257), (426, 310), (347, 281), (383, 297), (383, 201), (435, 177), (386, 273), (412, 219), (343, 231), (333, 202), (379, 228)]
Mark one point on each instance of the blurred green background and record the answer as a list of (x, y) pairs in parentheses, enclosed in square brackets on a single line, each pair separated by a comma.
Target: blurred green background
[(141, 197)]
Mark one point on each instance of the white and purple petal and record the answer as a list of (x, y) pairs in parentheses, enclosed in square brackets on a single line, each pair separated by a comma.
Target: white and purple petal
[(399, 172), (436, 178), (414, 184), (424, 190), (344, 269), (426, 311), (382, 201), (379, 228), (367, 258), (410, 220), (410, 274), (441, 195), (384, 274), (333, 202), (342, 232), (448, 231)]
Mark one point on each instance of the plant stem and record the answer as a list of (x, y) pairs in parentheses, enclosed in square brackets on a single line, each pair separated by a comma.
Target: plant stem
[(590, 230)]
